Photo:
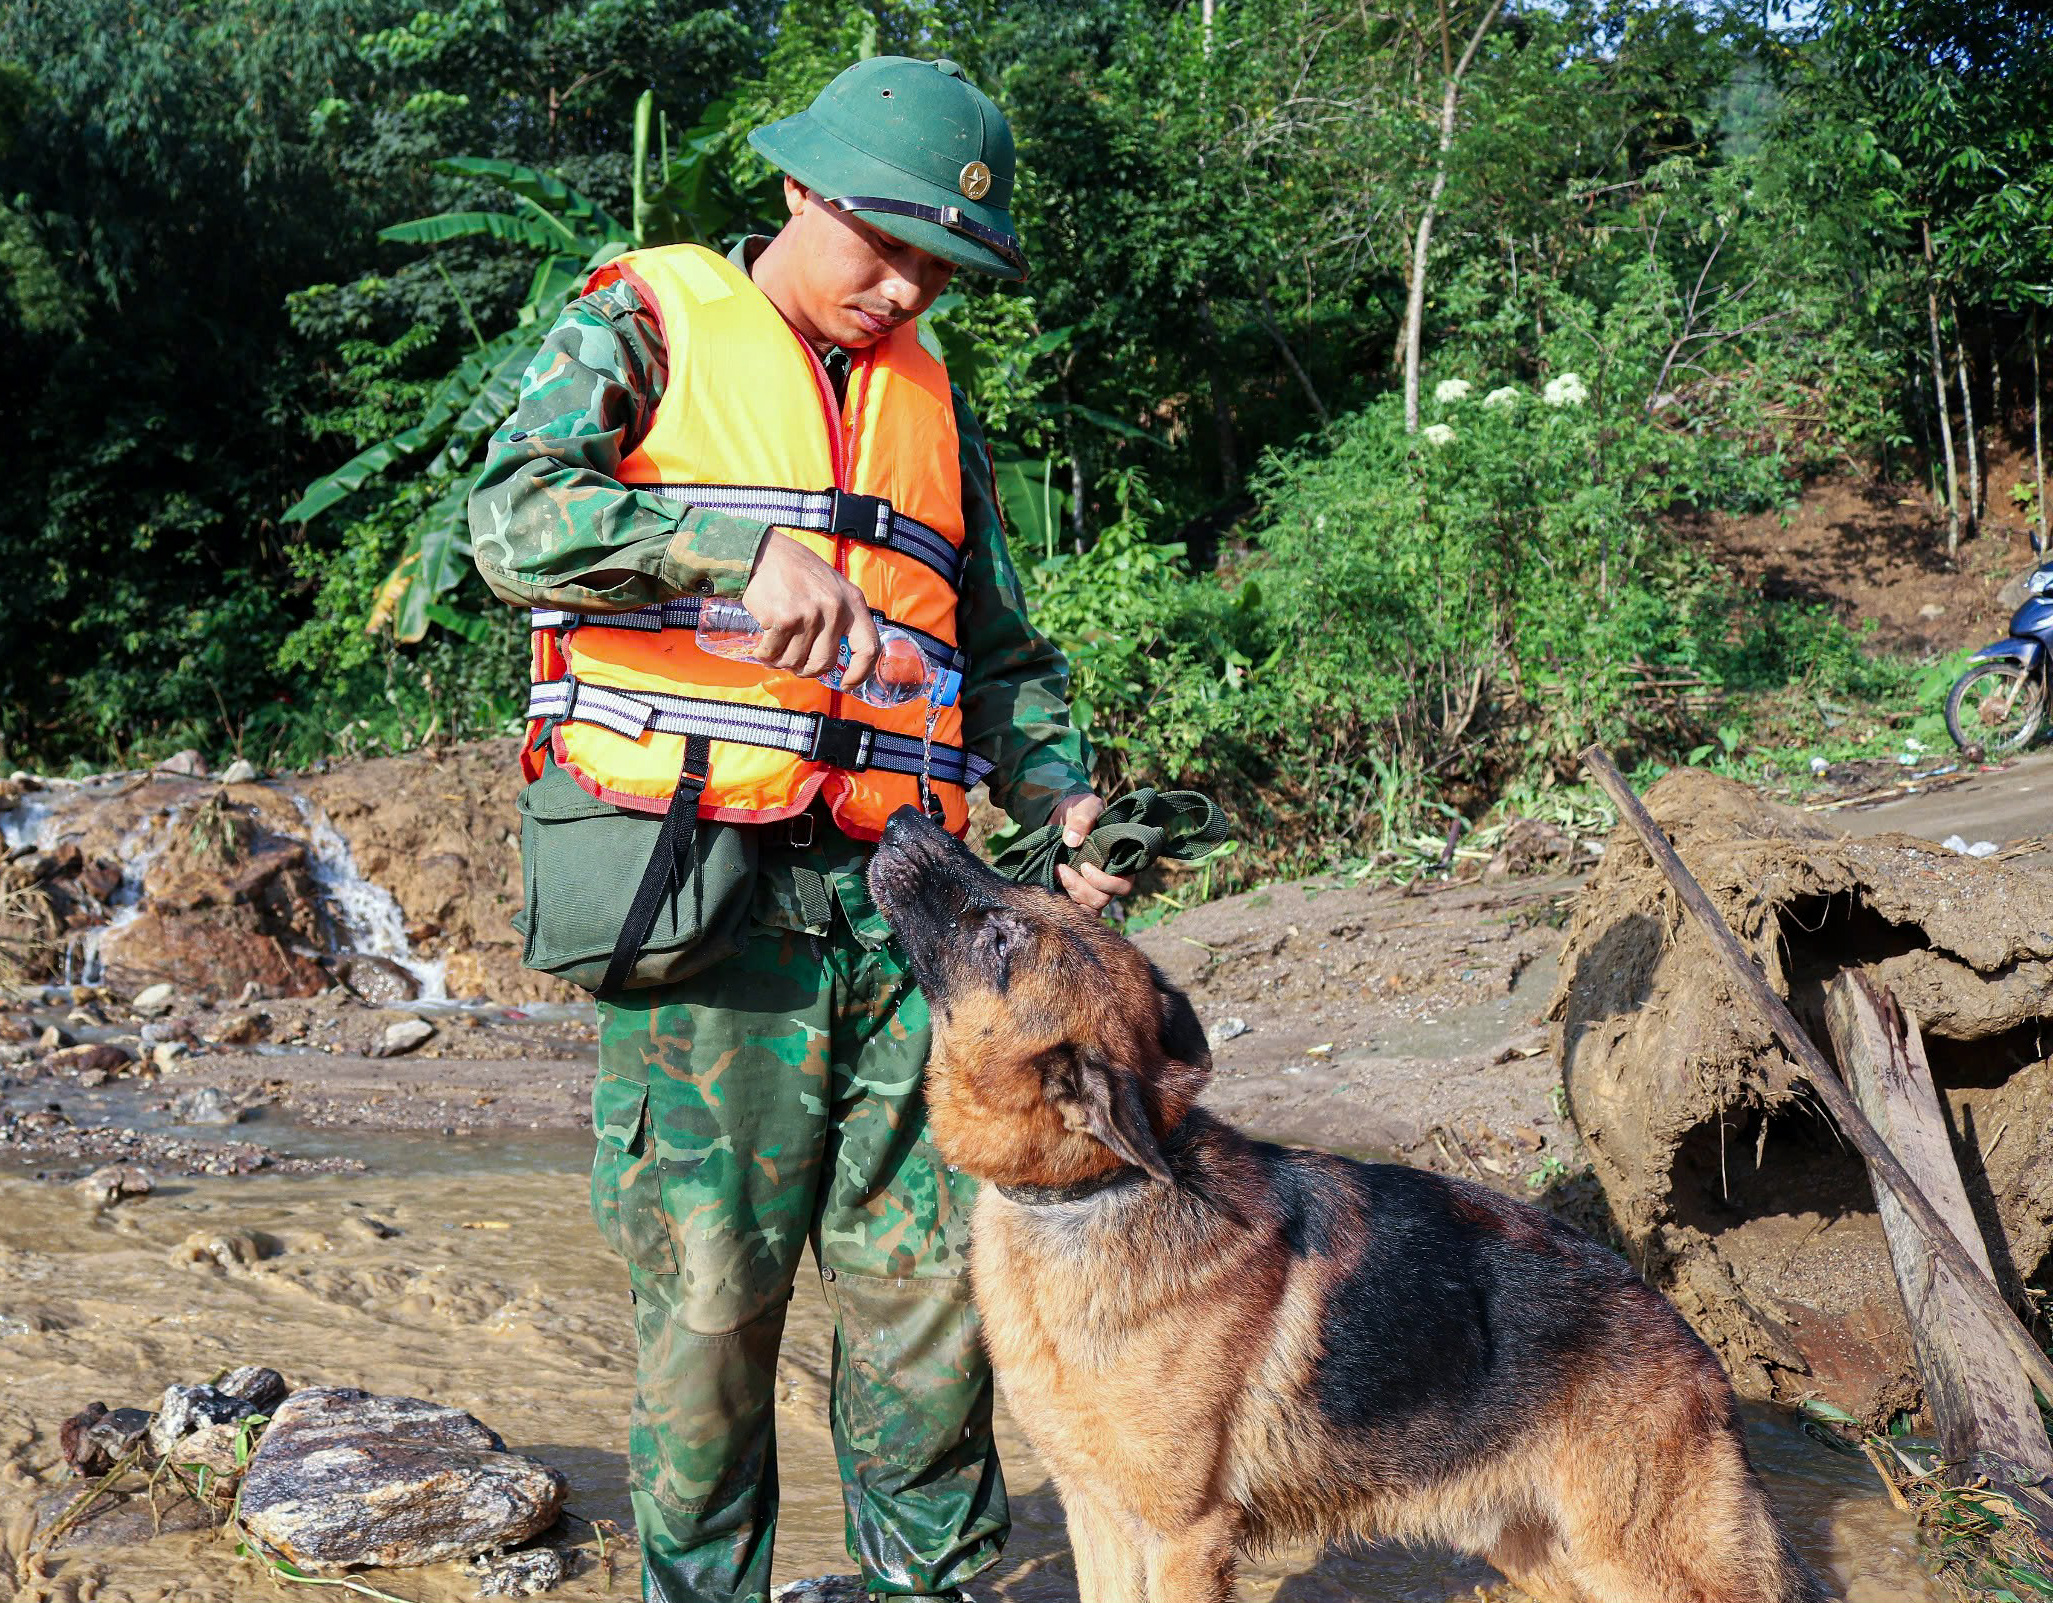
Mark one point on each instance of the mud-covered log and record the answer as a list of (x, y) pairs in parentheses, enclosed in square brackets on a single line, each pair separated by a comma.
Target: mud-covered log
[(1981, 1405), (1810, 1063)]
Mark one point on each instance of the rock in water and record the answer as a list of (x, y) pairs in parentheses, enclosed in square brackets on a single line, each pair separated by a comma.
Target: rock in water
[(185, 1409), (105, 1187), (204, 1104), (263, 1389), (239, 772), (374, 978), (528, 1573), (344, 1478)]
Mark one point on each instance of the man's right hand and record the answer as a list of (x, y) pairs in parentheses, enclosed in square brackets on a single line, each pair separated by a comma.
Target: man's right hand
[(805, 608)]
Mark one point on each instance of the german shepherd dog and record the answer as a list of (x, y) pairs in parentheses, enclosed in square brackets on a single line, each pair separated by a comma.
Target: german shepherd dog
[(1219, 1346)]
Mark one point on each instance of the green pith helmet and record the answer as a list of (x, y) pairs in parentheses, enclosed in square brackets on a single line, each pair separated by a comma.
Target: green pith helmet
[(916, 151)]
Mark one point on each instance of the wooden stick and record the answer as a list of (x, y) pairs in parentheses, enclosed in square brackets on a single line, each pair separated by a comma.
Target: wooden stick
[(1981, 1405), (1811, 1065)]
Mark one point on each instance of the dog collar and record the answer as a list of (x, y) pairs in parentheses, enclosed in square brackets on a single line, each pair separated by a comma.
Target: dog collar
[(1048, 1196)]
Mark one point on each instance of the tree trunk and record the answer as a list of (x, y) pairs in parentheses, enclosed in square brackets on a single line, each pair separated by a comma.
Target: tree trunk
[(1222, 406), (1290, 360), (1939, 389), (2038, 437), (1967, 416), (1076, 492), (1422, 242)]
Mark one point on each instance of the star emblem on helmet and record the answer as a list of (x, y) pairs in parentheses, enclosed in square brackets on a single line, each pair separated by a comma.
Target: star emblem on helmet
[(976, 180)]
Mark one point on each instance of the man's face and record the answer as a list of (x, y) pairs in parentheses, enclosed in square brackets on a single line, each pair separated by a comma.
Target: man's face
[(853, 283)]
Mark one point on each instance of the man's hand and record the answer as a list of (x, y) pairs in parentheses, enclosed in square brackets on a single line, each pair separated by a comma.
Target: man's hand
[(805, 608), (1090, 888)]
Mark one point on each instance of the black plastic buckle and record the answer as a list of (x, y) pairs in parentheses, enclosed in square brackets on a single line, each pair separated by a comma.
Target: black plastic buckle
[(841, 743), (859, 517)]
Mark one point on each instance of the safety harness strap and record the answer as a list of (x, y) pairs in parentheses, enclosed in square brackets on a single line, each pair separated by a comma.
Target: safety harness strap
[(683, 613), (868, 518), (669, 862), (845, 743)]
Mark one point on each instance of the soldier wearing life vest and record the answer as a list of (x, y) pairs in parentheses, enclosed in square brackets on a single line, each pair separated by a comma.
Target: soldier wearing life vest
[(767, 425)]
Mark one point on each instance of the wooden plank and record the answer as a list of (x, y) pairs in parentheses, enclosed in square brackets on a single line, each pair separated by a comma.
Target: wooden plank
[(1981, 1402)]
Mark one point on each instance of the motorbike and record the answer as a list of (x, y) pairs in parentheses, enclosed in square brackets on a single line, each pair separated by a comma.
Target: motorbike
[(1999, 704)]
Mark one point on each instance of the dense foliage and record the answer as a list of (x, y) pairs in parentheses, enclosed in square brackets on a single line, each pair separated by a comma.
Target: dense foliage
[(1663, 257)]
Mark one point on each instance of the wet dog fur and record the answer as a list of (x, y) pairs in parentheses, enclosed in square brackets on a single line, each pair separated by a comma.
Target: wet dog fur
[(1219, 1346)]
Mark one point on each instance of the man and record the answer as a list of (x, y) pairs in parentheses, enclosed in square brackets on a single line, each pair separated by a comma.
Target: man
[(813, 461)]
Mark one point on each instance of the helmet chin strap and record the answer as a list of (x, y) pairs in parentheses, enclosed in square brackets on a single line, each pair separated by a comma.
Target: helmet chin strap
[(949, 217)]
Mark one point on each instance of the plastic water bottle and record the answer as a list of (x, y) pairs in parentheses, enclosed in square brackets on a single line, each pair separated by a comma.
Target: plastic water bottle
[(901, 674)]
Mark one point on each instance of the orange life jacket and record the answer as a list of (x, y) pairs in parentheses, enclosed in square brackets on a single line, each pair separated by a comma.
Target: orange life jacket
[(748, 424)]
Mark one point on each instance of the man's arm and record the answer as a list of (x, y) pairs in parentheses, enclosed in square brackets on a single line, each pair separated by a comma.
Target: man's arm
[(1015, 698), (551, 523)]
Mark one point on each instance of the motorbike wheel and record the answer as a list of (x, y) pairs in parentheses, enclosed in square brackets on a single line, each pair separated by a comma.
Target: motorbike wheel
[(1995, 708)]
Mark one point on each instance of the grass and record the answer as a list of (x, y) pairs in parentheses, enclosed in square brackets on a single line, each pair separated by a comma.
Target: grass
[(1985, 1548)]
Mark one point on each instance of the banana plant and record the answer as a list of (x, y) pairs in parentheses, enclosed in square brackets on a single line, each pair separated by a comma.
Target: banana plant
[(693, 199)]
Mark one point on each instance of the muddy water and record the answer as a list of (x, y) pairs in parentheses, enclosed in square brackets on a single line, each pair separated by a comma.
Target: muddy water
[(469, 1272)]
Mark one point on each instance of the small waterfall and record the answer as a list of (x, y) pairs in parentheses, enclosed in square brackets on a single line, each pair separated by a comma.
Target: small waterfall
[(27, 822), (367, 918), (137, 851), (35, 823)]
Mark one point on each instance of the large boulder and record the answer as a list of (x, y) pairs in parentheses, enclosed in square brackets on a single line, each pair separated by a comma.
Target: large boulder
[(1727, 1187), (212, 953), (344, 1478)]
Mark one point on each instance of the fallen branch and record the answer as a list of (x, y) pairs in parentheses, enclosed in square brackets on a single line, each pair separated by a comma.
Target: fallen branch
[(75, 1510), (1811, 1065)]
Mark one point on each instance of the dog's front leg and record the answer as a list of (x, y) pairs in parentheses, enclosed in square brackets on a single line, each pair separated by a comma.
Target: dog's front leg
[(1108, 1563), (1196, 1563)]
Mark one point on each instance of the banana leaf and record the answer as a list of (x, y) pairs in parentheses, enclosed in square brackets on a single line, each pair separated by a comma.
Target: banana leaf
[(455, 393), (493, 400), (436, 558), (354, 474), (1034, 507), (546, 190), (537, 233), (553, 275)]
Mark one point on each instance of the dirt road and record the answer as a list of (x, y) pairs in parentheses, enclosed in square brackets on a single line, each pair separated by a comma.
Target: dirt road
[(2009, 805)]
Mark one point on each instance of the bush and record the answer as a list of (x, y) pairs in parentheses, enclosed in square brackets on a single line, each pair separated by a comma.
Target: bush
[(1427, 621)]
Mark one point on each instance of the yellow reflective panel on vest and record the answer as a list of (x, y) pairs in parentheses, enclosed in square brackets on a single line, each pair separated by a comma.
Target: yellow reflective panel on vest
[(747, 403)]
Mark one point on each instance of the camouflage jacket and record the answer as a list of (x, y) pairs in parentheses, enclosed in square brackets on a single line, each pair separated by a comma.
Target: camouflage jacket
[(553, 526)]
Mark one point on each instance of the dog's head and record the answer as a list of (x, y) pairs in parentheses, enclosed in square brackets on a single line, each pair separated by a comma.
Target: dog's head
[(1059, 1051)]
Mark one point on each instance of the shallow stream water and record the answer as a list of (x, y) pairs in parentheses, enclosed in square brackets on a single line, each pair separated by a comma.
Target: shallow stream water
[(469, 1272)]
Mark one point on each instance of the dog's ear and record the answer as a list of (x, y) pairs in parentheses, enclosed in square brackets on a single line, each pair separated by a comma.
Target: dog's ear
[(1093, 1096), (1183, 1037)]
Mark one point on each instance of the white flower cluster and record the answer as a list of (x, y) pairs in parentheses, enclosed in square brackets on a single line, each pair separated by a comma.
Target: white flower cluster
[(1507, 396), (1451, 389), (1566, 390), (1437, 434)]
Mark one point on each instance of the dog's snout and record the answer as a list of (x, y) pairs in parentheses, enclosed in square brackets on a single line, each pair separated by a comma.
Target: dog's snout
[(909, 830)]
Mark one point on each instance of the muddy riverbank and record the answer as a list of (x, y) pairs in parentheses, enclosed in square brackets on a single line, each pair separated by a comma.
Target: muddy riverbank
[(471, 1276)]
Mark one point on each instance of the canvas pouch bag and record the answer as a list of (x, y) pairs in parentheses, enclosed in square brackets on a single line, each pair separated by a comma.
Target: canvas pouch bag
[(581, 861)]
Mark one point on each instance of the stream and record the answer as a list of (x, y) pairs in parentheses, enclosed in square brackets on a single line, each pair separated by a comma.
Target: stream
[(468, 1272)]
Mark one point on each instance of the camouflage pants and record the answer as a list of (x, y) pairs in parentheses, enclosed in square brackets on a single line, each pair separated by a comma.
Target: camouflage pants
[(772, 1100)]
